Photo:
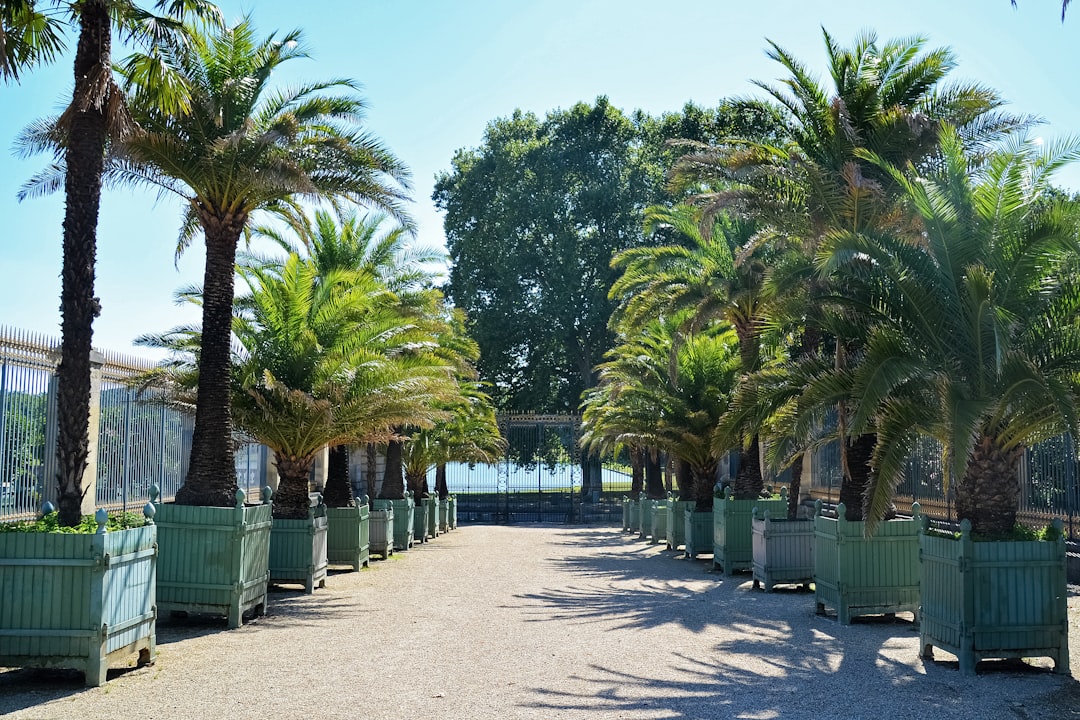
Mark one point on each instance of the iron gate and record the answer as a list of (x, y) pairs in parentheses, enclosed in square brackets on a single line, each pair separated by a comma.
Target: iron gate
[(538, 480)]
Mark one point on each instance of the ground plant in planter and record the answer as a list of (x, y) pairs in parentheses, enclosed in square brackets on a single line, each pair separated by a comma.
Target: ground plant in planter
[(81, 599), (997, 599), (783, 549), (732, 535), (859, 575)]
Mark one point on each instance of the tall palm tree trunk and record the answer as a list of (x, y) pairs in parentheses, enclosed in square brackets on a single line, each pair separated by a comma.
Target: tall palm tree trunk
[(637, 470), (795, 487), (292, 499), (654, 476), (989, 493), (78, 306), (442, 489), (703, 480), (748, 479), (417, 483), (685, 479), (371, 464), (338, 491), (393, 485), (856, 478), (211, 477)]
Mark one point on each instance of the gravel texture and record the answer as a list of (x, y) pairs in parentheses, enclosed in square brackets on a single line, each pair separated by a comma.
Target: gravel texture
[(546, 622)]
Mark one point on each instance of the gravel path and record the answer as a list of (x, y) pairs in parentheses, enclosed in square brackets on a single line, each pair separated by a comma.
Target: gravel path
[(545, 622)]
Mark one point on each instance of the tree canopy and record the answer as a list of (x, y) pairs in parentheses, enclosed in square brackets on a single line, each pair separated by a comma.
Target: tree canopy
[(533, 217)]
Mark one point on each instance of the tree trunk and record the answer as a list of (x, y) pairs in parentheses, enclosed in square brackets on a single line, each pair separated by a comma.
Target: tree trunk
[(417, 483), (795, 487), (654, 476), (685, 479), (211, 477), (704, 478), (748, 481), (441, 488), (372, 464), (989, 493), (393, 485), (637, 470), (338, 491), (292, 500), (78, 307), (857, 475)]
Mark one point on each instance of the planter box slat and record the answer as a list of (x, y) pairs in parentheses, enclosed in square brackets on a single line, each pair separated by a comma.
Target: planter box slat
[(404, 520), (93, 603), (698, 530), (214, 560), (676, 522), (783, 550), (381, 529), (856, 575), (993, 599), (731, 532), (298, 548), (348, 535)]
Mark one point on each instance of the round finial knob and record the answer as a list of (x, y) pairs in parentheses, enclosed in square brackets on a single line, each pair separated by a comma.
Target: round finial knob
[(155, 493), (47, 508), (149, 511), (101, 518)]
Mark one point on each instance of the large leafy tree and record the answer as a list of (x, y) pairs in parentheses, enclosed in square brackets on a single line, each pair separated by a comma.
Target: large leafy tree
[(533, 217), (973, 325), (32, 33), (238, 148)]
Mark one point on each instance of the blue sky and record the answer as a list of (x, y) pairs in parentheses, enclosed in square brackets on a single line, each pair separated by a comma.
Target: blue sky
[(435, 72)]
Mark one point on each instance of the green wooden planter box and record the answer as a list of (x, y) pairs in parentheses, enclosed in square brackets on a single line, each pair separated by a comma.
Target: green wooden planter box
[(347, 535), (698, 531), (433, 516), (993, 599), (298, 548), (646, 508), (381, 532), (78, 601), (856, 575), (732, 540), (444, 515), (453, 512), (676, 523), (660, 521), (404, 519), (783, 550), (625, 513), (635, 515), (420, 521), (214, 560)]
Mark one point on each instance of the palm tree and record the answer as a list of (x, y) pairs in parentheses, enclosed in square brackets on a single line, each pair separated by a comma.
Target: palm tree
[(973, 326), (319, 360), (886, 98), (701, 281), (470, 435), (30, 36), (372, 246), (668, 396), (240, 148)]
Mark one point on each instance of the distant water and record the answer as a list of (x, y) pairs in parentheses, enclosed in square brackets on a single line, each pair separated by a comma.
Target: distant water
[(508, 477)]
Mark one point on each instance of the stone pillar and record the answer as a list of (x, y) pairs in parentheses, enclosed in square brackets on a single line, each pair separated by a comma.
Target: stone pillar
[(89, 480)]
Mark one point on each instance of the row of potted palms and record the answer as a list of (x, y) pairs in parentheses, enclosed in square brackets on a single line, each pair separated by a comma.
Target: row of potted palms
[(342, 341), (897, 265)]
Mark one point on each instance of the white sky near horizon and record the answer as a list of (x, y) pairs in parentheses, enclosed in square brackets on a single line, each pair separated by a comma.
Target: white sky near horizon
[(436, 72)]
